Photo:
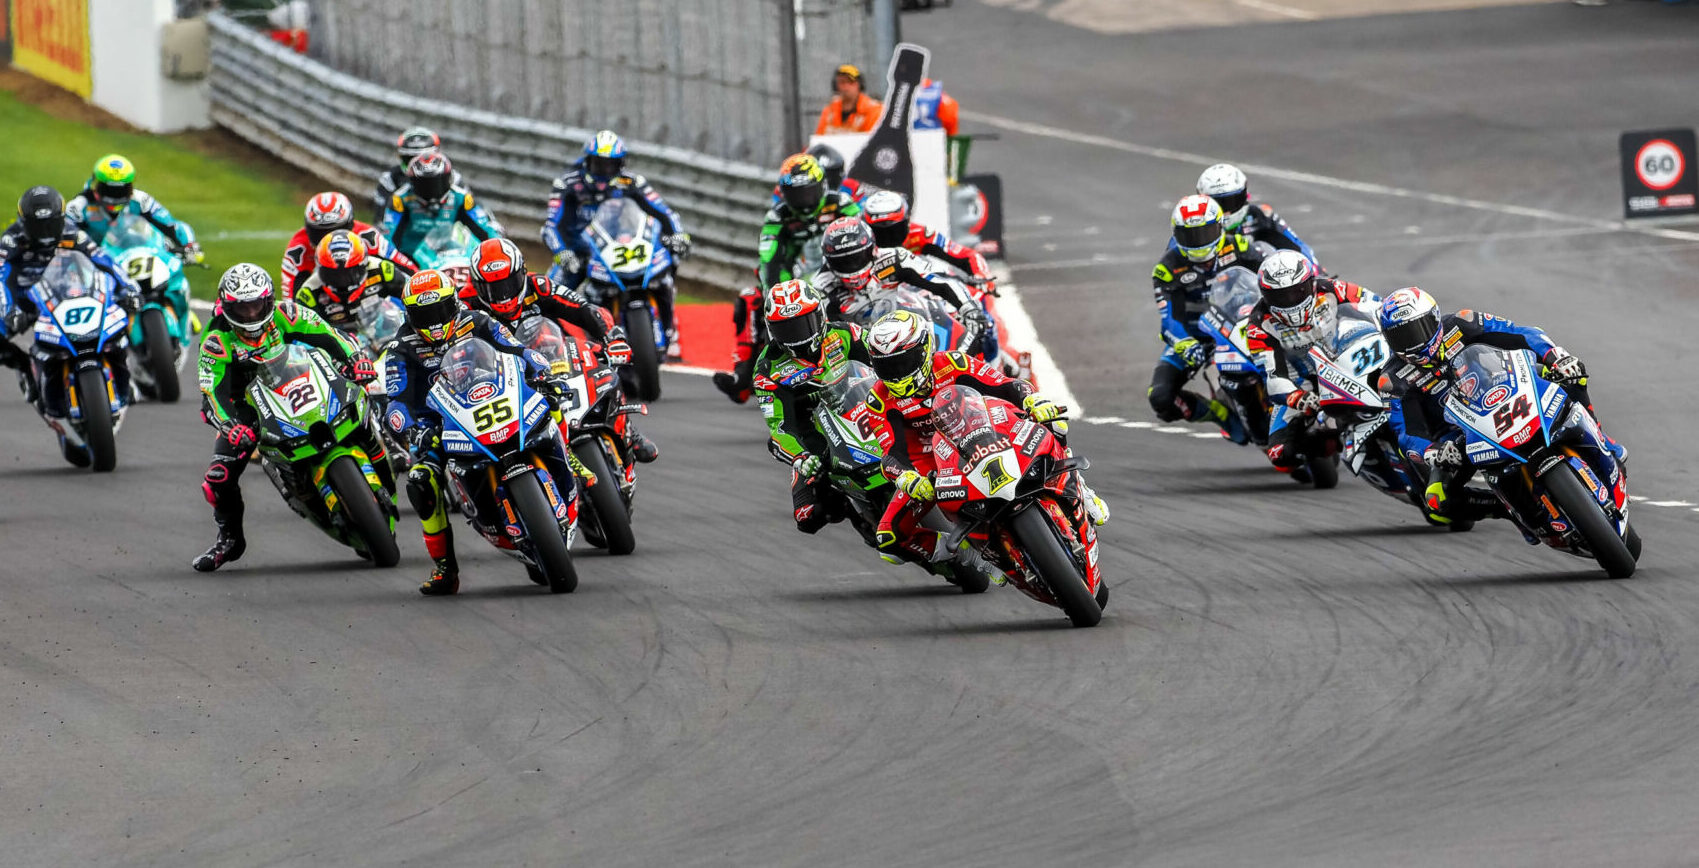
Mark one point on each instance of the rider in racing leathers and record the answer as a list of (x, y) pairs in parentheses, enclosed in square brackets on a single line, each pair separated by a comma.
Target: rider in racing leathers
[(410, 366), (888, 213), (1227, 185), (854, 265), (110, 192), (412, 142), (431, 199), (343, 275), (1182, 280), (503, 288), (1425, 340), (806, 208), (326, 213), (27, 247), (1298, 309), (910, 373), (600, 175), (252, 324)]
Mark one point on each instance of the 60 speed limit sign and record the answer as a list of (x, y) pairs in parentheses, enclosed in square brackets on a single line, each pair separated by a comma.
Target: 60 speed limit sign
[(1659, 164), (1658, 173)]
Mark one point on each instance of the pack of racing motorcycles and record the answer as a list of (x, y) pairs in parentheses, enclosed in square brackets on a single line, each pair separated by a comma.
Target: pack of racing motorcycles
[(421, 351)]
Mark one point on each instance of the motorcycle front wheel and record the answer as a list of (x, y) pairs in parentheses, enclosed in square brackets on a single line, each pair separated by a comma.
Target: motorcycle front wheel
[(543, 530), (1583, 511), (360, 505), (97, 421), (1043, 547)]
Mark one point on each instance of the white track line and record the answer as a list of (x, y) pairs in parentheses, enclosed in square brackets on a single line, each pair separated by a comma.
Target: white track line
[(1277, 9), (1325, 180), (1024, 336)]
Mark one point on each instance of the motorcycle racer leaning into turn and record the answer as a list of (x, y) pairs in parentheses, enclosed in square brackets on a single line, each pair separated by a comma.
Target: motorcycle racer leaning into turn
[(1224, 183), (1425, 340), (252, 324), (854, 265), (436, 321), (911, 372), (1182, 279), (1299, 309)]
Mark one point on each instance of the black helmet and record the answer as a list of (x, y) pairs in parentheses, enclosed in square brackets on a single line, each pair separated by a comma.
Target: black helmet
[(848, 249), (831, 163), (802, 184), (414, 141), (41, 211), (431, 175)]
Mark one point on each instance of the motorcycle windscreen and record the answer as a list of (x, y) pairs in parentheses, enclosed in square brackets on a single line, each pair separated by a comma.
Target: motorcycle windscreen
[(1235, 292), (130, 231)]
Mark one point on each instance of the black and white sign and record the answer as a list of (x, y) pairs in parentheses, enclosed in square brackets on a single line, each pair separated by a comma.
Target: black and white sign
[(1658, 175)]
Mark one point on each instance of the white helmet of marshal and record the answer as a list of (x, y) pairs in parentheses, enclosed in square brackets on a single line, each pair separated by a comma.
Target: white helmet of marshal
[(1224, 183)]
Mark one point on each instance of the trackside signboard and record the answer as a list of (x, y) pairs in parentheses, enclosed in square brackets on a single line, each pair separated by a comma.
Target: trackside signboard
[(1659, 177)]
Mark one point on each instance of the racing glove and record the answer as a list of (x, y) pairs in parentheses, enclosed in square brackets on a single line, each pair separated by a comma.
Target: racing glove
[(569, 262), (679, 243), (914, 485), (1565, 368), (242, 438), (131, 301), (361, 370), (193, 254), (1443, 454), (16, 321), (1189, 351), (1304, 402), (973, 316), (807, 465), (617, 348), (425, 441), (1042, 409)]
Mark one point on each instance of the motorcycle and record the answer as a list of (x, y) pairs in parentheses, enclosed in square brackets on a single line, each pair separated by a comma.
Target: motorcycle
[(448, 249), (853, 467), (504, 457), (378, 321), (309, 415), (1240, 379), (629, 269), (1355, 414), (594, 416), (164, 326), (1544, 456), (866, 308), (1013, 492), (81, 359)]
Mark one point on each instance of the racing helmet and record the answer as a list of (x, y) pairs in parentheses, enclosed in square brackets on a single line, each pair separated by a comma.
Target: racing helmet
[(326, 213), (41, 211), (848, 250), (796, 318), (1288, 283), (1410, 320), (246, 299), (431, 175), (113, 182), (1197, 228), (901, 346), (340, 263), (414, 141), (499, 278), (1224, 183), (604, 156), (802, 184), (831, 163), (887, 212), (432, 306)]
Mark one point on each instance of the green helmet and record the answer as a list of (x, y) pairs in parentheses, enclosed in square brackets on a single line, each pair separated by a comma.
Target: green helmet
[(114, 181)]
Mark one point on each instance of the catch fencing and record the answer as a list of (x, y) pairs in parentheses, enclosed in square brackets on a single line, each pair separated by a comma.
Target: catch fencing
[(342, 126)]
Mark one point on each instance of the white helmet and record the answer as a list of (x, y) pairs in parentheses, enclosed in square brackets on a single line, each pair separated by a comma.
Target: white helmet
[(1197, 228), (1288, 284), (246, 299), (1224, 183)]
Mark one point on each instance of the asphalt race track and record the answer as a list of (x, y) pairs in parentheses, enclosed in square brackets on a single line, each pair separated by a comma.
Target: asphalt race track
[(1284, 676)]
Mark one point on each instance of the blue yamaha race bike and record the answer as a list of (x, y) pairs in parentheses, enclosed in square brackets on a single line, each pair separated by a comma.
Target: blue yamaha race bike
[(1544, 456), (629, 271), (81, 359), (1239, 377), (164, 326), (504, 456)]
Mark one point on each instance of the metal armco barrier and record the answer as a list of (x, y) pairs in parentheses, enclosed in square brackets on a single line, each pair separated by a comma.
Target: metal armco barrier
[(343, 129)]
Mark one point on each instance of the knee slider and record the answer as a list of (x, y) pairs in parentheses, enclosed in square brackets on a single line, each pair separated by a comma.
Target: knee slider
[(424, 490)]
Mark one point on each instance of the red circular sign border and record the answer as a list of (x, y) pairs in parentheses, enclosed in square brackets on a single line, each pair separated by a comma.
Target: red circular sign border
[(1681, 169)]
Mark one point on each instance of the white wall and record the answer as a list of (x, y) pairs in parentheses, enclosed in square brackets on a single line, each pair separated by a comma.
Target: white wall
[(124, 38)]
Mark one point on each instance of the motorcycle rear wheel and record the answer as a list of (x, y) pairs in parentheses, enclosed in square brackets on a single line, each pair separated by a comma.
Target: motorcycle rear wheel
[(543, 530), (1583, 511), (1056, 567), (645, 359), (354, 494)]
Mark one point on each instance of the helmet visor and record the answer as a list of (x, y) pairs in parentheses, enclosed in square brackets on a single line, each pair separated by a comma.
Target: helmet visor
[(803, 198), (604, 167), (1232, 202), (432, 320), (505, 296), (1412, 338), (799, 335), (1197, 237), (850, 261), (114, 195), (903, 370), (889, 232), (432, 187), (248, 315), (1290, 296), (343, 281)]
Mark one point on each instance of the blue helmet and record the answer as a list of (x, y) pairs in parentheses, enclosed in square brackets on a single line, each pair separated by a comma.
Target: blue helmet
[(1410, 319), (604, 155)]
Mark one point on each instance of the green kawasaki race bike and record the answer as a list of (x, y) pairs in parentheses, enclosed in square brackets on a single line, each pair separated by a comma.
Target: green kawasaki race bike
[(309, 419), (852, 465)]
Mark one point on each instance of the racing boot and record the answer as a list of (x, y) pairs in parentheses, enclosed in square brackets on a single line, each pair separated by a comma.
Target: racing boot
[(77, 455), (739, 384), (642, 448), (1095, 509), (675, 353), (228, 547), (1232, 427), (445, 577), (968, 557)]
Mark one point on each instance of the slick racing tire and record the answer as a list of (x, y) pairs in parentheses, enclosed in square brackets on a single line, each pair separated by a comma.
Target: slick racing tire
[(360, 506), (611, 515), (97, 421), (544, 532), (1044, 548), (645, 358), (1324, 471), (1584, 512), (1631, 538), (161, 359)]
